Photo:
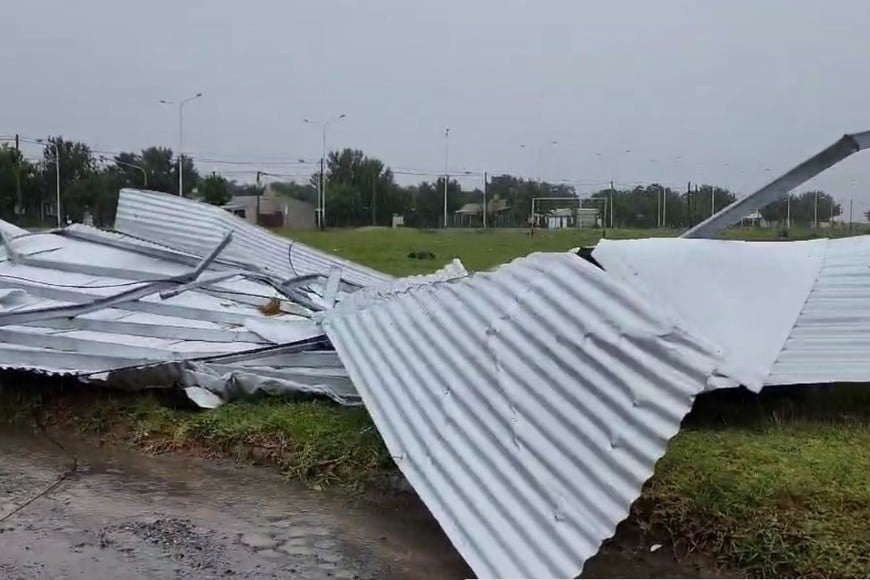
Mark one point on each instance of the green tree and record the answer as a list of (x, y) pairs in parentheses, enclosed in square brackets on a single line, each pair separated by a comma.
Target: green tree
[(161, 166), (802, 209), (519, 194), (77, 164), (133, 171), (96, 193), (704, 200), (360, 190), (16, 171), (215, 190), (424, 203)]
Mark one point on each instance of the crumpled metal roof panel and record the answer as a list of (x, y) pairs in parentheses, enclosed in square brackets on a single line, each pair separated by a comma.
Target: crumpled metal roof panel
[(742, 296), (366, 296), (197, 227), (782, 313), (830, 340), (52, 320), (526, 406)]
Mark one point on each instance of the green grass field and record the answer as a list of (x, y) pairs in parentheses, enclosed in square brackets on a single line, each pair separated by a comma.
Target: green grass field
[(767, 489), (387, 249)]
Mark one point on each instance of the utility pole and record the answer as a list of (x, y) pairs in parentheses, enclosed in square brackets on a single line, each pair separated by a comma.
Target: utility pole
[(611, 204), (322, 182), (19, 209), (484, 200), (374, 199), (850, 215), (659, 209), (320, 195), (446, 174), (321, 190), (689, 221), (180, 149), (712, 200), (664, 207), (816, 210), (259, 191), (47, 142), (180, 104)]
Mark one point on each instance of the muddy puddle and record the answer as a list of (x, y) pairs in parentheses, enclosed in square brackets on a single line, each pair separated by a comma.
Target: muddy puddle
[(124, 515)]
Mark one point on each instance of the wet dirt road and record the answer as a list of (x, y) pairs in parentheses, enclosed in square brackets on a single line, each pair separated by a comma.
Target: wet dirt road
[(122, 515)]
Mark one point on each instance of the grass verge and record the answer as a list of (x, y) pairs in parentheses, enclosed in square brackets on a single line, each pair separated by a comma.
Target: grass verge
[(786, 500), (316, 442)]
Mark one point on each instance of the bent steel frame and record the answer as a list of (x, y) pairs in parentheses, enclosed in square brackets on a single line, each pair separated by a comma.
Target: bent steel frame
[(843, 148)]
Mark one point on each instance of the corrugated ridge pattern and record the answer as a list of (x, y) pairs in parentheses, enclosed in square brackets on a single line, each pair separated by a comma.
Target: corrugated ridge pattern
[(363, 297), (830, 341), (196, 227), (111, 236), (526, 406)]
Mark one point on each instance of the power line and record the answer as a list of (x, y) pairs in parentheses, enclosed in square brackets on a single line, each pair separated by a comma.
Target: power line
[(249, 162)]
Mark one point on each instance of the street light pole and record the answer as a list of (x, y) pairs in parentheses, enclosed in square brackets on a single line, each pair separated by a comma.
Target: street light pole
[(540, 164), (538, 153), (181, 137), (612, 178), (57, 181), (322, 203), (446, 172), (56, 173), (321, 195), (712, 200)]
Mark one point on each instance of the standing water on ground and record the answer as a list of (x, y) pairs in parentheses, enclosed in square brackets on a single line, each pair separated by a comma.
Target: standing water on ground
[(123, 515)]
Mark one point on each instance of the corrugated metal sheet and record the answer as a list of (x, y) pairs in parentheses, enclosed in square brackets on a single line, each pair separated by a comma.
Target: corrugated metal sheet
[(830, 340), (526, 406), (110, 305), (194, 227), (780, 312), (366, 296)]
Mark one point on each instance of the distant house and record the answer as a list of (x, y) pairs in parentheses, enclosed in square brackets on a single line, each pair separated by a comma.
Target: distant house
[(570, 217), (271, 209), (588, 217), (560, 218), (755, 220), (471, 214)]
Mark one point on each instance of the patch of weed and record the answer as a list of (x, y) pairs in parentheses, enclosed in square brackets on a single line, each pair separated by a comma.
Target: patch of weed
[(786, 500)]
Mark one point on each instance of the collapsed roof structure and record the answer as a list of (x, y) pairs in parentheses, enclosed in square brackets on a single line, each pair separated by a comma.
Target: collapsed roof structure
[(526, 406)]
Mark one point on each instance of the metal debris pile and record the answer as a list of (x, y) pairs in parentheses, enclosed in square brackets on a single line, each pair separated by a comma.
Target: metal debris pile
[(526, 406), (162, 303)]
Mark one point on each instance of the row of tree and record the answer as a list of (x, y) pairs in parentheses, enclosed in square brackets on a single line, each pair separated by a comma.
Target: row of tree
[(90, 182), (362, 190)]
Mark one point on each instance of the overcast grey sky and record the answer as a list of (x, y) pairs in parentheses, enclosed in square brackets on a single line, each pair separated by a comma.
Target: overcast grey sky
[(754, 84)]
